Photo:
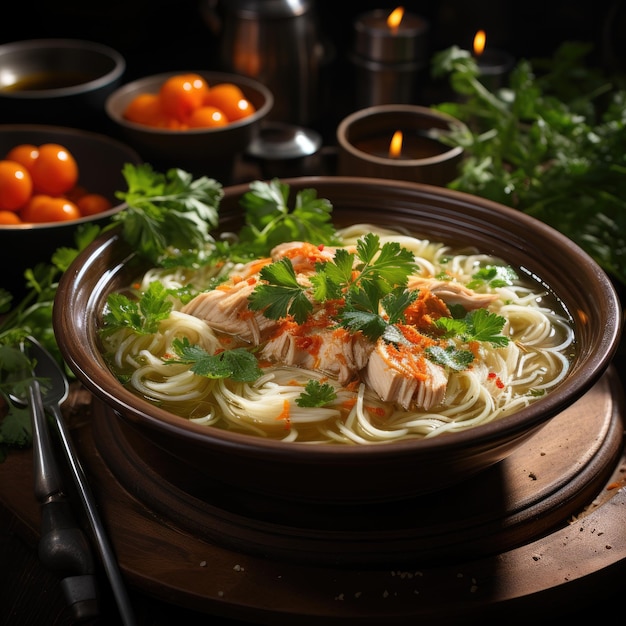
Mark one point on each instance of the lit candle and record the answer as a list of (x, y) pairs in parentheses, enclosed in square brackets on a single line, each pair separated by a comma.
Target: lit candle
[(398, 141), (398, 37), (493, 65), (405, 145), (390, 49)]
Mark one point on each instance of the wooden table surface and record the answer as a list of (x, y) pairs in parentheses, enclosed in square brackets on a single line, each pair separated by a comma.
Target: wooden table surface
[(582, 566)]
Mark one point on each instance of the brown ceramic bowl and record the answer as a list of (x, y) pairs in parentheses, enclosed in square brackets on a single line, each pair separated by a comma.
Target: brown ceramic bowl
[(57, 81), (204, 151), (338, 474), (100, 161)]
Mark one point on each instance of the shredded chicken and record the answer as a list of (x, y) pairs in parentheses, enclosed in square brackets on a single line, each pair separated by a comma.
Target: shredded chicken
[(226, 310), (453, 293), (408, 379), (334, 351), (397, 373)]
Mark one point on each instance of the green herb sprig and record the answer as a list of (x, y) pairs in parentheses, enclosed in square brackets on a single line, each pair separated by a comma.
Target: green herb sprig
[(167, 213), (239, 364), (552, 143), (270, 220), (365, 278)]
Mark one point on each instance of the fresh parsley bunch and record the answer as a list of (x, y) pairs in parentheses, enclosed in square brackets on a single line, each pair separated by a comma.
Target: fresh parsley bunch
[(552, 144), (269, 219), (167, 213)]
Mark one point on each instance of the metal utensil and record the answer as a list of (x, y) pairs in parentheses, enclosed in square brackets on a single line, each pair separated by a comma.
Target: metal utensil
[(55, 392), (63, 546)]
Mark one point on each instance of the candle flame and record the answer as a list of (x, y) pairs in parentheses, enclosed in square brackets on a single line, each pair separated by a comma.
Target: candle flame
[(395, 146), (395, 17), (479, 42)]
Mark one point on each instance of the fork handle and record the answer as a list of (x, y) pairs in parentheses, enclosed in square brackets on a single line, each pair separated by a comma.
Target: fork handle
[(63, 548), (47, 475)]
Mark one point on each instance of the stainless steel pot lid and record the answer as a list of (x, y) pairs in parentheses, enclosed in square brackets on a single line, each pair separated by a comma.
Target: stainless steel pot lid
[(277, 141)]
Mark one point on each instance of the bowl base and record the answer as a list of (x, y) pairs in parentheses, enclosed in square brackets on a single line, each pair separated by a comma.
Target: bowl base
[(536, 489)]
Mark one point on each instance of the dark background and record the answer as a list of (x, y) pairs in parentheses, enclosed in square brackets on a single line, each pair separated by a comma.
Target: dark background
[(170, 35), (164, 35)]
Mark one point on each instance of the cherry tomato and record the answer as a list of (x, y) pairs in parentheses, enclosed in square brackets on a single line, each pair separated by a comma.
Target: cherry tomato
[(55, 170), (45, 208), (181, 94), (146, 109), (25, 154), (92, 204), (230, 100), (16, 185), (9, 218), (207, 117), (75, 193)]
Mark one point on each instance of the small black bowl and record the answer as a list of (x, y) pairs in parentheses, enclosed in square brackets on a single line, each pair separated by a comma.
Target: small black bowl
[(100, 161), (57, 81)]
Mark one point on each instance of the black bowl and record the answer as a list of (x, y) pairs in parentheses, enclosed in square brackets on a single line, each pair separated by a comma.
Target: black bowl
[(202, 151), (100, 160), (57, 81)]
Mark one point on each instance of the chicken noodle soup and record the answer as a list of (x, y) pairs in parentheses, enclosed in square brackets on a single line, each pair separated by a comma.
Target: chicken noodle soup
[(463, 342)]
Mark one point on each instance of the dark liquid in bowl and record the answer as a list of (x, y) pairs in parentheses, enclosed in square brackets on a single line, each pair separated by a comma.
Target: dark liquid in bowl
[(49, 80)]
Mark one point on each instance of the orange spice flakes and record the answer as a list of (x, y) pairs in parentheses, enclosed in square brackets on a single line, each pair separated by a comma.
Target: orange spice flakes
[(378, 411), (310, 344), (425, 310), (409, 360), (305, 256), (285, 415), (406, 360), (348, 405)]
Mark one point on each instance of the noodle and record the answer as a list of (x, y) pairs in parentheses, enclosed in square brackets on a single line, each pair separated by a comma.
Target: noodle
[(500, 381)]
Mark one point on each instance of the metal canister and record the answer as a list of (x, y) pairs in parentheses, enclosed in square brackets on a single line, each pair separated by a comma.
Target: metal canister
[(275, 42)]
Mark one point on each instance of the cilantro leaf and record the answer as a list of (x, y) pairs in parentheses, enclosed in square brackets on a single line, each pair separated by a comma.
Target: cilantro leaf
[(15, 427), (269, 220), (551, 144), (485, 326), (396, 303), (238, 364), (142, 316), (493, 276), (450, 357), (316, 394), (391, 268), (370, 324), (283, 295), (167, 211), (477, 325)]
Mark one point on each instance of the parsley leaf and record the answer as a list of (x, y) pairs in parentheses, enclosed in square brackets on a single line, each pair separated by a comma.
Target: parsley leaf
[(167, 211), (282, 295), (316, 394), (142, 316), (238, 364), (450, 357), (270, 221), (478, 325)]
